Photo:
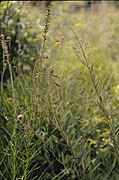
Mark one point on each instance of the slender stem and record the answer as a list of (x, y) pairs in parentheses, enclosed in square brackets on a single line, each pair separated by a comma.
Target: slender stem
[(108, 118)]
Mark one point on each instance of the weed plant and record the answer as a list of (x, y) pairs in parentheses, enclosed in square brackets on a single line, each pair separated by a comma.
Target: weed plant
[(56, 126)]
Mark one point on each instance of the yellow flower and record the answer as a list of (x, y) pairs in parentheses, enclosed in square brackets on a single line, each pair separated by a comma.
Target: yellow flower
[(57, 42)]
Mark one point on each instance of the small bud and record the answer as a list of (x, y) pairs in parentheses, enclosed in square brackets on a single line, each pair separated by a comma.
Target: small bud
[(62, 38), (2, 36), (8, 39)]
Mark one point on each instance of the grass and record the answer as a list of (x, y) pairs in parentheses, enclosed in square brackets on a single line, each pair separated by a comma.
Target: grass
[(60, 121)]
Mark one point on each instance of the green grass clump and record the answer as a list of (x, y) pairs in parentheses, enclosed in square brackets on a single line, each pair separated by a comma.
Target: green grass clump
[(60, 121)]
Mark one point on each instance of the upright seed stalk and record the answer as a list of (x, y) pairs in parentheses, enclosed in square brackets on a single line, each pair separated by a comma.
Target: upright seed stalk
[(6, 43), (90, 67)]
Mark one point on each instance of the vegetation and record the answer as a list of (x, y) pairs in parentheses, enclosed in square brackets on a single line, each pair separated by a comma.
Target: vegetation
[(59, 93)]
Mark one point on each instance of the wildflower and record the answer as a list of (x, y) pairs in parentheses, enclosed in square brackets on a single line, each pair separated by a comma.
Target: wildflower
[(58, 41), (20, 117)]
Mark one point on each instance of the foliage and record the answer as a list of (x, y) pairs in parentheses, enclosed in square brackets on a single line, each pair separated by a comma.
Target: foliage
[(60, 119), (11, 14)]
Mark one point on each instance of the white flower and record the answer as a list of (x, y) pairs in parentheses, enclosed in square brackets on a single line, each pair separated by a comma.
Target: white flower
[(20, 116)]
